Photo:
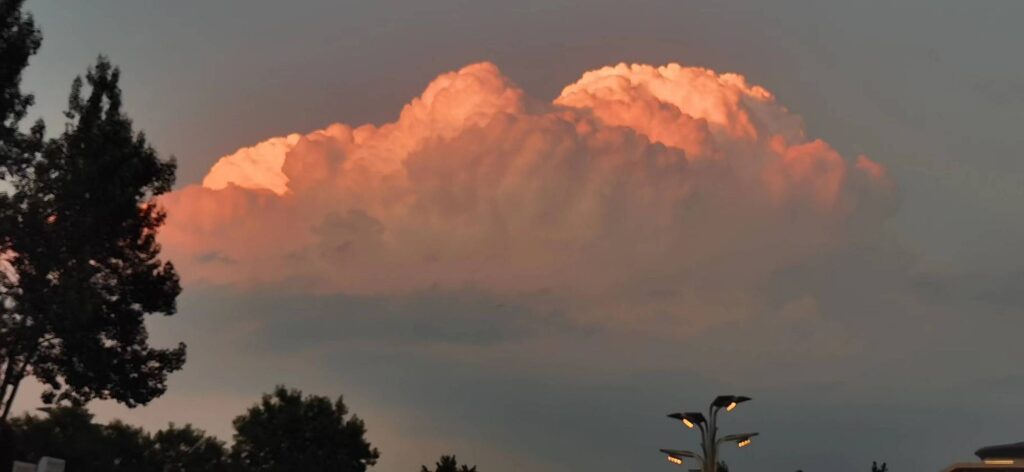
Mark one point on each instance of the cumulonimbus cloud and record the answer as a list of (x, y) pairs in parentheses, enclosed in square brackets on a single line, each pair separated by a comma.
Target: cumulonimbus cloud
[(636, 183)]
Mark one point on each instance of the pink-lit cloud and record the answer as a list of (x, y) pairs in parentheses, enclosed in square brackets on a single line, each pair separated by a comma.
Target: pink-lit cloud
[(639, 186)]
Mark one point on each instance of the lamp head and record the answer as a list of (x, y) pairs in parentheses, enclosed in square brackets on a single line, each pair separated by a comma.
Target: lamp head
[(676, 456), (729, 402), (741, 440), (690, 419), (677, 452)]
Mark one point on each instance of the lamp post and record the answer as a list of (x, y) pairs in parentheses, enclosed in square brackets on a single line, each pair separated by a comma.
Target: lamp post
[(708, 427)]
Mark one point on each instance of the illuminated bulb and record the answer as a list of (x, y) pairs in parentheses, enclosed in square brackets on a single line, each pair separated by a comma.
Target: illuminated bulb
[(743, 443), (731, 406), (675, 460), (999, 461), (688, 423)]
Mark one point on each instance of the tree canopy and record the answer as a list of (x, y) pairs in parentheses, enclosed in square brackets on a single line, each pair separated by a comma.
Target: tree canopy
[(19, 40), (80, 264), (69, 432), (289, 431), (284, 431), (449, 464)]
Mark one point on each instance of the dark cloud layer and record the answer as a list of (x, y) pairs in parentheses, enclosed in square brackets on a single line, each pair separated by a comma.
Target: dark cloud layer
[(497, 388)]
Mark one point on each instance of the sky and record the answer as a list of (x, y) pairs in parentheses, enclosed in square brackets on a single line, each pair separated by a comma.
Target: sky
[(496, 242)]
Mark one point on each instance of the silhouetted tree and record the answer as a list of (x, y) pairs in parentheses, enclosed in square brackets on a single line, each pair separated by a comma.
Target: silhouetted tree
[(82, 261), (722, 466), (123, 448), (287, 431), (19, 40), (64, 432), (187, 449), (68, 432), (449, 464), (876, 468)]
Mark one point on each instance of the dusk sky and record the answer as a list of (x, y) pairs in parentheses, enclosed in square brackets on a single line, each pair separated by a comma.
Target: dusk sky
[(523, 232)]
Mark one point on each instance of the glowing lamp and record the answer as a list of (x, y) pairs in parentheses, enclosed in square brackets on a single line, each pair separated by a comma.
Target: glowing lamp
[(729, 401), (741, 440), (689, 419), (676, 456)]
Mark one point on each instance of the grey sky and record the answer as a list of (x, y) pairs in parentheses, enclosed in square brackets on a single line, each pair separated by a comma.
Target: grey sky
[(933, 90)]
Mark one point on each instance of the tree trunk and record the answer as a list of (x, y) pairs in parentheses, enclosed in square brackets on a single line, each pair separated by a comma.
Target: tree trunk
[(13, 380), (15, 383), (5, 381)]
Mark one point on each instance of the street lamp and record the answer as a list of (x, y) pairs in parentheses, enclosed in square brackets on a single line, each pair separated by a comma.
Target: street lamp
[(708, 427), (689, 419), (741, 440), (676, 456)]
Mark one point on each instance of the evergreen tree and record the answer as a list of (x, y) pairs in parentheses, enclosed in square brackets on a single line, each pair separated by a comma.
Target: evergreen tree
[(82, 266), (19, 40)]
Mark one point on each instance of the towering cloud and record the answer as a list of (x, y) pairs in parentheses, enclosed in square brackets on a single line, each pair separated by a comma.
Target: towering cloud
[(643, 186)]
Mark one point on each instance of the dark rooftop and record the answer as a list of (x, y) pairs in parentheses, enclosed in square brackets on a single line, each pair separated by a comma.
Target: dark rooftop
[(1003, 451)]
